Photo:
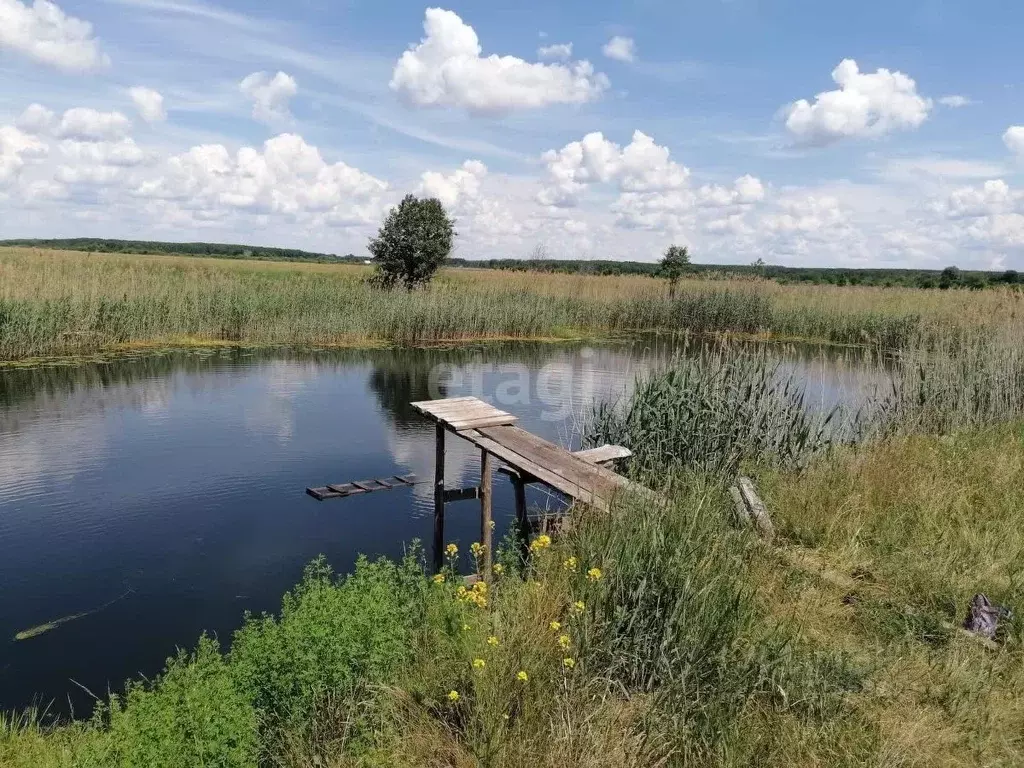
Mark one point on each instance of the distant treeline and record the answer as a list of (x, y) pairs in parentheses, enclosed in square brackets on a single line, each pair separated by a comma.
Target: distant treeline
[(951, 277), (912, 278), (213, 250)]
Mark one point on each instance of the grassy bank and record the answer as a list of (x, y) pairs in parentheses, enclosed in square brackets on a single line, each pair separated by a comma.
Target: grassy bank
[(693, 645), (65, 303)]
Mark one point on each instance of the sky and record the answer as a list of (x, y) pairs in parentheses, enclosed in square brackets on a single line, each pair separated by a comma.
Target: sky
[(868, 134)]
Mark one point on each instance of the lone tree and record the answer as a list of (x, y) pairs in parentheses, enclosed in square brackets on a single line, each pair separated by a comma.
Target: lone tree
[(950, 277), (673, 266), (413, 243)]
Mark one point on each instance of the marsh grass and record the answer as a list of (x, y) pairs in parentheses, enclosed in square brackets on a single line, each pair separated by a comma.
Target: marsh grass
[(65, 303), (713, 408), (913, 527)]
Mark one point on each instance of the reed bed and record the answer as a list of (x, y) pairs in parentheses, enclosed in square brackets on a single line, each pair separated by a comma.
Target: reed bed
[(64, 303)]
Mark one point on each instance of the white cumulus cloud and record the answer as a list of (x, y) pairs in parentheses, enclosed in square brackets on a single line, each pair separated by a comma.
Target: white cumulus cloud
[(484, 218), (16, 147), (149, 103), (37, 119), (270, 96), (44, 33), (746, 189), (865, 105), (455, 188), (85, 124), (640, 167), (558, 51), (287, 177), (1014, 139), (620, 48), (446, 68)]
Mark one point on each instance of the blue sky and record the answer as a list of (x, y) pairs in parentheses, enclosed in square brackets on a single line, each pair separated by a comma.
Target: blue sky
[(868, 134)]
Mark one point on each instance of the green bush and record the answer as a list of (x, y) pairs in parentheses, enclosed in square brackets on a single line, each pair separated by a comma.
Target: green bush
[(332, 636), (192, 715)]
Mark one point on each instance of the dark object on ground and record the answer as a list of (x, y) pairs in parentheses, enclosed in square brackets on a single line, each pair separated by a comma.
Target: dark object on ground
[(983, 617)]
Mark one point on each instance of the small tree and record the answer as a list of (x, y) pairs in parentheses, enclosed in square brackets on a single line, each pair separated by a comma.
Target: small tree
[(949, 277), (673, 266), (413, 243)]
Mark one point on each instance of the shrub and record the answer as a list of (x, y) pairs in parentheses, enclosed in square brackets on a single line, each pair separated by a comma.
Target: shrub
[(333, 636), (193, 715)]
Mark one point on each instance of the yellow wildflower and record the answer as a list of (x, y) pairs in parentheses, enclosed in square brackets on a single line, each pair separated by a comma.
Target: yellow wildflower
[(564, 641), (453, 695), (492, 640), (476, 548), (594, 574), (522, 677), (491, 525), (554, 626), (568, 662), (541, 542), (498, 569), (466, 627), (451, 550), (481, 601), (480, 587), (479, 663), (579, 606), (461, 591), (570, 564), (439, 578)]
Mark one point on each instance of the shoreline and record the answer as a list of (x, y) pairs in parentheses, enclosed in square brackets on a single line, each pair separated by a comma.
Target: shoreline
[(182, 344)]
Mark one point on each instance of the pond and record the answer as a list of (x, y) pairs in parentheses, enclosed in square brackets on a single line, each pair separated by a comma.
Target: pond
[(155, 497)]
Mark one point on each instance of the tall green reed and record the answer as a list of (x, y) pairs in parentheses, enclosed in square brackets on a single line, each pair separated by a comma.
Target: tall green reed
[(712, 408)]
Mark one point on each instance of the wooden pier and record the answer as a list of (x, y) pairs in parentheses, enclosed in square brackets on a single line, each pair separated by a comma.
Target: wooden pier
[(529, 458), (583, 476)]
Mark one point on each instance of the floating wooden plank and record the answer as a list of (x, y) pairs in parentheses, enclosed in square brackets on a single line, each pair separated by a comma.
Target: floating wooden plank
[(346, 489), (341, 490), (461, 494)]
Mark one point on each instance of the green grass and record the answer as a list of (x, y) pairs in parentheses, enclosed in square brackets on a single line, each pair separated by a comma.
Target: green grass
[(56, 303)]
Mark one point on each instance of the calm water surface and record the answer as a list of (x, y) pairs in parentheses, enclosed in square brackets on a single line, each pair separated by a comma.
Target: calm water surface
[(176, 482)]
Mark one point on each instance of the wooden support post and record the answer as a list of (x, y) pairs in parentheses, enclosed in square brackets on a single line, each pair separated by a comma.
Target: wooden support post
[(486, 534), (522, 523), (439, 497)]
